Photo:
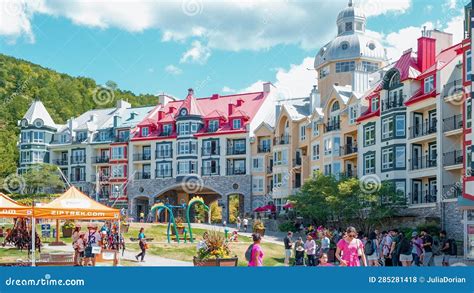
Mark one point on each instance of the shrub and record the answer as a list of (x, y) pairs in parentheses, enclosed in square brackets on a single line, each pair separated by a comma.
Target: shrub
[(287, 226)]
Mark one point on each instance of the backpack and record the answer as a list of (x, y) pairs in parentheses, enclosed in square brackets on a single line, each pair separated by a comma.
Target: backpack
[(369, 247), (405, 246), (453, 247), (248, 253)]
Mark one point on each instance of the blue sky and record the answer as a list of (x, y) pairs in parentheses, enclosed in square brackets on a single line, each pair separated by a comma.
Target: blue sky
[(212, 46)]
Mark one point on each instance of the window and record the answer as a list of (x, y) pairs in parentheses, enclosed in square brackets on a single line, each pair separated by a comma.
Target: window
[(118, 153), (335, 106), (374, 104), (145, 131), (104, 136), (81, 136), (163, 150), (25, 157), (163, 170), (348, 26), (327, 169), (468, 163), (210, 167), (387, 128), (213, 125), (280, 157), (257, 164), (323, 72), (187, 148), (315, 128), (194, 127), (327, 146), (257, 184), (118, 171), (183, 129), (38, 157), (360, 26), (400, 157), (369, 134), (429, 84), (187, 167), (25, 137), (387, 159), (279, 180), (315, 152), (38, 136), (369, 66), (352, 114), (468, 65), (210, 147), (78, 156), (302, 132), (337, 146), (167, 128), (345, 66), (236, 124), (336, 169), (468, 113), (400, 126), (369, 163)]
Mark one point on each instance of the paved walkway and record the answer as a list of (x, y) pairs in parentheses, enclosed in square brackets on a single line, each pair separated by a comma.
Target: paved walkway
[(150, 260)]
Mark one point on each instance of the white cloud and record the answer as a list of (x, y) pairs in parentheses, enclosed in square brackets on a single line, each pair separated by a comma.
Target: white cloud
[(404, 39), (227, 89), (171, 69), (198, 53), (297, 81)]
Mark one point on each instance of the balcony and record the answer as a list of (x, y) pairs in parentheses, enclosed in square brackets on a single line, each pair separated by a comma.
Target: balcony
[(452, 191), (210, 171), (422, 162), (235, 171), (453, 88), (452, 123), (78, 178), (79, 140), (164, 154), (332, 126), (166, 173), (422, 197), (142, 175), (78, 159), (348, 149), (210, 151), (427, 128), (235, 151), (453, 158), (263, 149), (350, 173), (392, 103), (142, 157), (100, 159), (60, 162), (282, 140)]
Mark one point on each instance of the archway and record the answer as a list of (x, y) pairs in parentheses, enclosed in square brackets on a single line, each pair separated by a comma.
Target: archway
[(235, 206), (142, 205)]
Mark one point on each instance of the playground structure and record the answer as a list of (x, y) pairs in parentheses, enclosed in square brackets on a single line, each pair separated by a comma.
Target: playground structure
[(158, 207)]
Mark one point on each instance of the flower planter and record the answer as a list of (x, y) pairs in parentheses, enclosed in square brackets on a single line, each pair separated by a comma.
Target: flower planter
[(260, 231), (67, 232), (215, 262)]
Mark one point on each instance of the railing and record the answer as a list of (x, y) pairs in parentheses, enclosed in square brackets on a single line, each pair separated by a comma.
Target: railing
[(282, 140), (142, 157), (422, 162), (78, 159), (77, 178), (101, 159), (453, 88), (164, 173), (60, 162), (348, 149), (420, 197), (210, 151), (164, 154), (210, 171), (423, 129), (121, 138), (235, 151), (297, 162), (332, 126), (79, 139), (392, 103), (264, 149), (453, 158), (102, 178), (142, 175), (452, 191), (236, 171), (452, 123), (165, 133)]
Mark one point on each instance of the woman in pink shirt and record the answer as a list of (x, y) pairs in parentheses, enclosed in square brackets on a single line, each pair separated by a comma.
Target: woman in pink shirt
[(256, 259), (351, 248)]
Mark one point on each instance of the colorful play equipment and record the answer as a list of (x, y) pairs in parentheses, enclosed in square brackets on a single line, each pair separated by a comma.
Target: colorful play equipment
[(161, 206)]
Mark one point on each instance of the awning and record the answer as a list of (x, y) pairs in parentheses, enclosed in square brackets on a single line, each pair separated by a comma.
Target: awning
[(11, 209), (288, 205), (75, 205), (269, 208)]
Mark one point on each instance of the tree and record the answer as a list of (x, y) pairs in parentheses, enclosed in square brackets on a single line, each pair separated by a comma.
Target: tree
[(216, 212), (348, 201), (40, 177)]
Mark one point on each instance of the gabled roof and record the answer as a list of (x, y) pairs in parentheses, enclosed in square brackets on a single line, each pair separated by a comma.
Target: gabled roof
[(407, 65), (239, 114), (297, 108), (191, 105), (215, 114), (38, 111)]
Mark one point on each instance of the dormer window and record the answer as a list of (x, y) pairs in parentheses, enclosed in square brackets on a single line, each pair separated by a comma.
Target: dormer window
[(145, 131), (81, 136), (236, 124), (167, 129), (213, 125), (349, 26), (429, 84), (374, 104)]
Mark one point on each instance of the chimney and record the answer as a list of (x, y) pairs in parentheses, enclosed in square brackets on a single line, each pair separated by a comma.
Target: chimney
[(231, 108), (190, 92), (121, 104), (171, 110), (161, 114), (266, 87), (215, 97), (240, 102), (426, 51), (117, 120)]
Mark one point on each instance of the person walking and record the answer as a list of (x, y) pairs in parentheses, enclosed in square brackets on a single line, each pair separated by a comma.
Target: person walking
[(246, 224), (371, 250), (445, 248), (395, 247), (325, 242), (428, 259), (288, 241), (143, 245), (349, 249), (238, 222), (417, 248), (310, 248), (405, 249), (256, 258)]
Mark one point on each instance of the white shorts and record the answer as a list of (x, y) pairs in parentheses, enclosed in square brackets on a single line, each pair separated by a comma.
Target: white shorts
[(288, 252), (373, 256), (406, 257)]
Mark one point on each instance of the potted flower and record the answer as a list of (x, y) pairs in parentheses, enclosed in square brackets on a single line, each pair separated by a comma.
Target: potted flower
[(259, 227), (214, 251), (67, 228), (179, 225)]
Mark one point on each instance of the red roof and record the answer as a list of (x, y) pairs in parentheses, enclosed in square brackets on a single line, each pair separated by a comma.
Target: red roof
[(419, 96), (444, 58), (407, 65)]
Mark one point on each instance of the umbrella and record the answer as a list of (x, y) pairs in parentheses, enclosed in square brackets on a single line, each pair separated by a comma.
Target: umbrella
[(288, 205)]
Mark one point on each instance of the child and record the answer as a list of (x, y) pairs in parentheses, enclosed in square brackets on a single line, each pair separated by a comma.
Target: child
[(323, 261), (80, 246)]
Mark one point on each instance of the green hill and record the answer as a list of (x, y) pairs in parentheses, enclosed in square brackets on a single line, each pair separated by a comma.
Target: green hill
[(64, 96)]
